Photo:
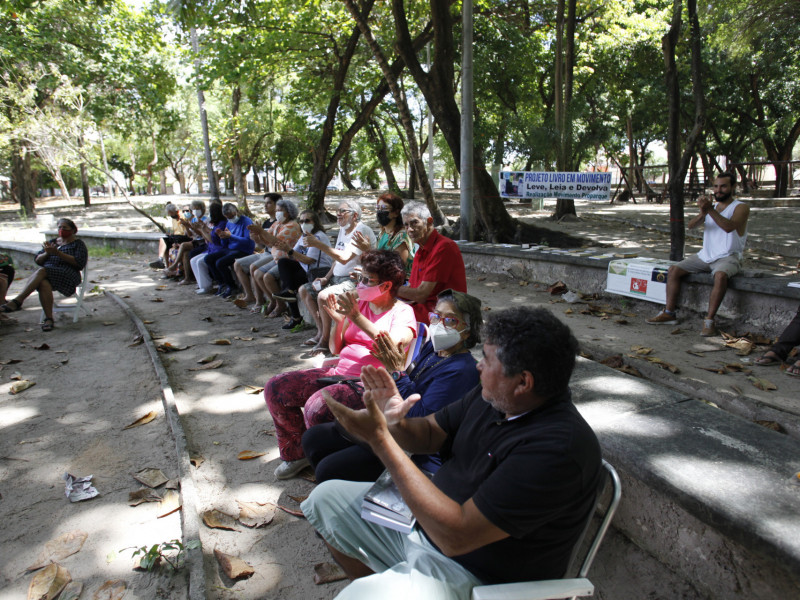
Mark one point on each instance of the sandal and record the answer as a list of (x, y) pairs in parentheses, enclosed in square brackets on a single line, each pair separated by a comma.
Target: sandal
[(7, 308), (768, 361), (48, 324), (310, 342), (277, 313), (794, 370)]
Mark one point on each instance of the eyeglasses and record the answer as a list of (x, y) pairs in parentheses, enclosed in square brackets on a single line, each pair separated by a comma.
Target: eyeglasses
[(436, 318), (308, 221), (368, 281), (383, 207), (341, 213)]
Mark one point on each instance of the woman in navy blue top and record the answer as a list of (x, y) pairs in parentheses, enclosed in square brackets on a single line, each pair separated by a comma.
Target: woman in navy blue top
[(239, 244), (443, 371)]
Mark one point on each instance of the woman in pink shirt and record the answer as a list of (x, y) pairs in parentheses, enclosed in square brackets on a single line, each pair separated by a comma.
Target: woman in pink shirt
[(295, 399)]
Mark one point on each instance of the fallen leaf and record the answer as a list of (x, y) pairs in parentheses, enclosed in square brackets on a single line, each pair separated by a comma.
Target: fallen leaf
[(328, 573), (142, 420), (695, 353), (139, 339), (151, 477), (111, 590), (207, 319), (523, 283), (72, 591), (212, 365), (621, 321), (233, 566), (630, 370), (254, 329), (585, 355), (108, 323), (42, 347), (238, 385), (144, 494), (252, 389), (16, 376), (292, 511), (737, 389), (10, 361), (718, 370), (20, 386), (244, 339), (738, 367), (676, 331), (172, 484), (299, 499), (641, 349), (256, 514), (271, 335), (222, 342), (169, 504), (161, 287), (156, 299), (167, 347), (207, 359), (148, 322), (569, 311), (742, 346), (308, 475), (249, 454), (59, 548), (559, 287), (240, 303), (65, 361), (661, 363), (774, 425), (762, 384), (216, 519), (196, 460), (615, 362), (48, 583)]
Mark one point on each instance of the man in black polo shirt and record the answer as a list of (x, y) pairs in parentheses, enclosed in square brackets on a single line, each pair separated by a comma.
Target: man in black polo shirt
[(519, 474)]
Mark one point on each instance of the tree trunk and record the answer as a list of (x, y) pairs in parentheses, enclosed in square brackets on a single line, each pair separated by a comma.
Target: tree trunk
[(61, 185), (162, 182), (239, 183), (201, 103), (22, 185), (378, 141), (256, 182), (564, 62), (87, 196), (402, 107), (679, 162), (438, 87)]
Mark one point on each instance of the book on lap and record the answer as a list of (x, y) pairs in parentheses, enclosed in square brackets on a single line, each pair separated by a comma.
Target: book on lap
[(384, 505)]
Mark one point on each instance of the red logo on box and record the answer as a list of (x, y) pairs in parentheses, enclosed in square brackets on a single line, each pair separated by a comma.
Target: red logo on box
[(638, 286)]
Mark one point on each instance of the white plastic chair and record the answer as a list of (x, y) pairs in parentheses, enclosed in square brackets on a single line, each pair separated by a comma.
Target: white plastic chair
[(552, 589), (77, 306)]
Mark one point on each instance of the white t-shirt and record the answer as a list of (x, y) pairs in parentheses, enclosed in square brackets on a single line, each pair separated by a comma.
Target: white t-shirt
[(344, 243), (321, 260), (717, 243)]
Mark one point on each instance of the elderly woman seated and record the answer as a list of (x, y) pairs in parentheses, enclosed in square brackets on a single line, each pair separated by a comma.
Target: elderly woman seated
[(239, 244), (359, 316), (192, 222), (442, 372), (61, 262)]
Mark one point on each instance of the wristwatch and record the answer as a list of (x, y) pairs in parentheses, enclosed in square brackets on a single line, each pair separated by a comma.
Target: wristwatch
[(396, 375), (290, 252)]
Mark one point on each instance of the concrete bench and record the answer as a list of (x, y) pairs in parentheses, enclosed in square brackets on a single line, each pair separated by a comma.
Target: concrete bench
[(707, 493), (755, 300), (21, 252), (145, 242)]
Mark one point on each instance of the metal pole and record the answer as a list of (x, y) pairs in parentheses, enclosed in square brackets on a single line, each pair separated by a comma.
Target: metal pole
[(466, 125), (201, 101)]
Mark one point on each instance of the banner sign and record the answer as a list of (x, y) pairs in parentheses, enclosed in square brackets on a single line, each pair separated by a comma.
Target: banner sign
[(547, 184), (644, 278)]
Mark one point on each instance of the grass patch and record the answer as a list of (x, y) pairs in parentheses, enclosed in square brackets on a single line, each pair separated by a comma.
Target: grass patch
[(107, 251)]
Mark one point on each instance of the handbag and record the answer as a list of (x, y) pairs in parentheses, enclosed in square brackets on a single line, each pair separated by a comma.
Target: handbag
[(317, 271)]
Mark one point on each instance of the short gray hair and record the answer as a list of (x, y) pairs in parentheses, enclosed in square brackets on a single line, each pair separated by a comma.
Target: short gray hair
[(199, 204), (289, 207), (354, 206), (418, 209)]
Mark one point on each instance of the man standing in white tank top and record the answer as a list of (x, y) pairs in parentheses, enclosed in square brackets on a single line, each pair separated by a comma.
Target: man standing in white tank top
[(724, 239)]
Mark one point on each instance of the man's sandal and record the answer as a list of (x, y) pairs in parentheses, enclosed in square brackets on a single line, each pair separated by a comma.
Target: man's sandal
[(7, 307), (768, 361), (48, 324)]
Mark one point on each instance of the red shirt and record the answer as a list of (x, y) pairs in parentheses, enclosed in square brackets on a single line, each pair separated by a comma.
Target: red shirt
[(439, 260)]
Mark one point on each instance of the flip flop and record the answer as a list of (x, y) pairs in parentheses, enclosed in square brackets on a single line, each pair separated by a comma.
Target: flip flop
[(796, 370), (310, 342), (767, 361), (7, 308), (48, 324)]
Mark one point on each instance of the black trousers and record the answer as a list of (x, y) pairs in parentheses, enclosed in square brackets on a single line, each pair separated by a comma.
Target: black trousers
[(292, 276), (789, 338)]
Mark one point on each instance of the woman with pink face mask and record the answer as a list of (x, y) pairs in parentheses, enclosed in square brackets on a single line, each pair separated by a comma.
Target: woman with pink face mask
[(295, 399), (60, 264)]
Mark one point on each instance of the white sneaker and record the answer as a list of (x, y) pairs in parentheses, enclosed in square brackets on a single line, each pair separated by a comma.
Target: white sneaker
[(204, 291), (289, 468)]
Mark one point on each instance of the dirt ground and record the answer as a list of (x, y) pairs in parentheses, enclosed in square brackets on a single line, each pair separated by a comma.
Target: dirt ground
[(72, 420)]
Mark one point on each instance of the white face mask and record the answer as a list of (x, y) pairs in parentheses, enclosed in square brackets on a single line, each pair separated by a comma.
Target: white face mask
[(279, 216), (197, 213), (233, 219), (444, 338), (307, 227)]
